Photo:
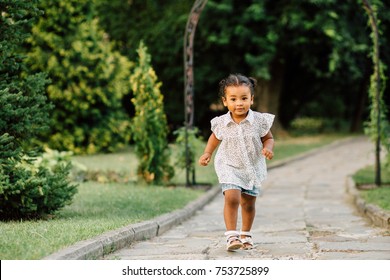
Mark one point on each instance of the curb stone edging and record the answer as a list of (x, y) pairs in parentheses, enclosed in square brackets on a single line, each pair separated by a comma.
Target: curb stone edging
[(378, 216), (98, 247)]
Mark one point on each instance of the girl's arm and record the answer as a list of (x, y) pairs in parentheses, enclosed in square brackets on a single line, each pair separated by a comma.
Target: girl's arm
[(268, 145), (212, 144)]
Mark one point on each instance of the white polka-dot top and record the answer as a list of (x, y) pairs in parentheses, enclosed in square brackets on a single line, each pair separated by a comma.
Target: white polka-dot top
[(239, 160)]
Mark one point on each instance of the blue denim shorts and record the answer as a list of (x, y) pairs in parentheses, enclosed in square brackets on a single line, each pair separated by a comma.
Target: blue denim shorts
[(254, 192)]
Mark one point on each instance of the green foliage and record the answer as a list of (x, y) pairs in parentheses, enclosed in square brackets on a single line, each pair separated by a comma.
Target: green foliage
[(36, 187), (378, 108), (24, 109), (194, 144), (371, 126), (306, 125), (89, 79), (318, 47), (28, 188), (160, 25), (149, 125), (322, 46)]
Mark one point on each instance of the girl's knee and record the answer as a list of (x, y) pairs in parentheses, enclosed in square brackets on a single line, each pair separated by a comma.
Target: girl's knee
[(232, 198), (232, 201), (248, 207)]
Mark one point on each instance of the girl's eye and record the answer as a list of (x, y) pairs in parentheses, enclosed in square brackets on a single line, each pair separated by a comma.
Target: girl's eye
[(233, 99)]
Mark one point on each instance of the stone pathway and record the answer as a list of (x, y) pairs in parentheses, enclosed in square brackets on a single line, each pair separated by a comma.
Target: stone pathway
[(304, 213)]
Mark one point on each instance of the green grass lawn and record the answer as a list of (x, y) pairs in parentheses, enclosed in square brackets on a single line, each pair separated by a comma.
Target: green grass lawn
[(378, 196), (101, 207), (96, 208)]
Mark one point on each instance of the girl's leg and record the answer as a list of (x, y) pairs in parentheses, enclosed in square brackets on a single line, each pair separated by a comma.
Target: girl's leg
[(248, 212), (230, 213), (230, 210)]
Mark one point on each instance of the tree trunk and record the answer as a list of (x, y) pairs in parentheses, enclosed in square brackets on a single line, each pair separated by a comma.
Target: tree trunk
[(268, 92)]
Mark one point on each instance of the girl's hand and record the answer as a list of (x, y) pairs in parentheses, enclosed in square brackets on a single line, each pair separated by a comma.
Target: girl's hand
[(205, 159), (267, 153)]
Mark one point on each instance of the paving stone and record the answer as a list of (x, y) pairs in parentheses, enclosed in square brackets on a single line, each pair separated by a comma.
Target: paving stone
[(357, 245), (371, 255)]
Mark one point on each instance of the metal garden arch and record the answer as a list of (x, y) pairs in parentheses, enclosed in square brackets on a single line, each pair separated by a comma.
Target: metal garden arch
[(189, 34)]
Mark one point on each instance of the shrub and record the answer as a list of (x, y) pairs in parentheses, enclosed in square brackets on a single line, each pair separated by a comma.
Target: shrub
[(34, 188), (89, 78), (28, 187), (307, 125), (149, 125)]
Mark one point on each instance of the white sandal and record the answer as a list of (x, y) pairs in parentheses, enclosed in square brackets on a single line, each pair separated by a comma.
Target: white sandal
[(233, 241), (247, 241)]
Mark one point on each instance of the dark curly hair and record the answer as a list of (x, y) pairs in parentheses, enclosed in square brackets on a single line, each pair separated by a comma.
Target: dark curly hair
[(237, 80)]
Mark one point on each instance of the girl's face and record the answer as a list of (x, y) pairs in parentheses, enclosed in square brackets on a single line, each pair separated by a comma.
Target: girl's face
[(238, 100)]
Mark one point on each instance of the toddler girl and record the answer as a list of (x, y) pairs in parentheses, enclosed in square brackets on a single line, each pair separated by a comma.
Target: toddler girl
[(245, 142)]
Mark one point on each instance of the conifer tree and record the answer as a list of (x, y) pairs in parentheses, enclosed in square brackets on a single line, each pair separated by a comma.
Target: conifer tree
[(27, 188), (18, 120), (149, 126), (89, 79)]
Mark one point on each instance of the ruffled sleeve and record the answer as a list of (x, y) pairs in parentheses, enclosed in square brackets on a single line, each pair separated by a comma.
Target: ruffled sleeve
[(216, 127), (265, 120)]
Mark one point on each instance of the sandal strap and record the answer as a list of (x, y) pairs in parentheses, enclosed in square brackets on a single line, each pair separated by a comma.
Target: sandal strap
[(231, 233), (247, 240), (247, 233)]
